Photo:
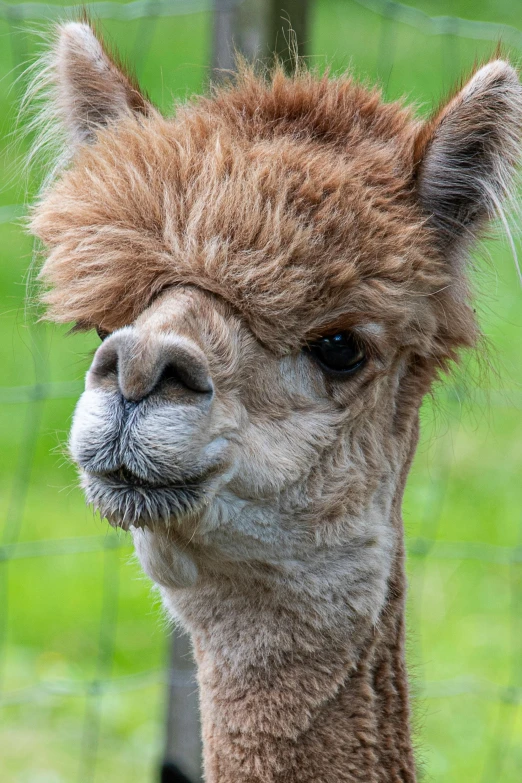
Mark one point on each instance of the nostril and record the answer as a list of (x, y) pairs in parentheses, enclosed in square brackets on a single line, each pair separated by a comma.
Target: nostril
[(169, 374), (105, 366), (185, 372), (108, 365)]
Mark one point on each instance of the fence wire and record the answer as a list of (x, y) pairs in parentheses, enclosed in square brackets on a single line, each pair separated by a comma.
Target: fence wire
[(424, 547)]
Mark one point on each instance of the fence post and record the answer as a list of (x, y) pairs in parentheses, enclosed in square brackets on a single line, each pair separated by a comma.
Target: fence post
[(182, 759), (258, 29)]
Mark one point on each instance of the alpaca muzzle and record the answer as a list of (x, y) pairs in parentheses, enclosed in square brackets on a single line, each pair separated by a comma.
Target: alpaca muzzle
[(141, 430)]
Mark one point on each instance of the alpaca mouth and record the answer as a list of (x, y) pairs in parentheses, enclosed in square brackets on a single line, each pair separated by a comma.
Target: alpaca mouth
[(125, 478), (127, 500)]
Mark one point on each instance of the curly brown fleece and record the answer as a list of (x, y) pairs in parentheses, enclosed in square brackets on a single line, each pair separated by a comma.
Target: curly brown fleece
[(293, 200)]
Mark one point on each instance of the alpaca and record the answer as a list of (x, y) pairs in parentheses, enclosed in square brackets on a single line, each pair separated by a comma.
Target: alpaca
[(278, 275)]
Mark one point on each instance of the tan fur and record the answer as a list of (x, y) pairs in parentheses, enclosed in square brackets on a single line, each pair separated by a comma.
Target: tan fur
[(264, 495)]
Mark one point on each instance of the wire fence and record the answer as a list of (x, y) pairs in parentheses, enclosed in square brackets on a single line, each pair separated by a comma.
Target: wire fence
[(425, 544)]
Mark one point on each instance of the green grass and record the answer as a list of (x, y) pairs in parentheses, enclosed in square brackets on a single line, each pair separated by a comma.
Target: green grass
[(78, 618)]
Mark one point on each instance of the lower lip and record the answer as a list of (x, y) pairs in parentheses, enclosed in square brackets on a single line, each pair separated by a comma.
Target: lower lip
[(126, 505)]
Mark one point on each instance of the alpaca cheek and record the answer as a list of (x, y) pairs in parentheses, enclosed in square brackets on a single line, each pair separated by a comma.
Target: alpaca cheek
[(163, 561)]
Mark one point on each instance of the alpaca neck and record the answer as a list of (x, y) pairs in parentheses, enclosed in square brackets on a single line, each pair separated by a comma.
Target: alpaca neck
[(310, 715)]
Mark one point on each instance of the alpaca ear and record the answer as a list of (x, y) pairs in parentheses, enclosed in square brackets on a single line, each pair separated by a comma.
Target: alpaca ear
[(88, 89), (467, 154)]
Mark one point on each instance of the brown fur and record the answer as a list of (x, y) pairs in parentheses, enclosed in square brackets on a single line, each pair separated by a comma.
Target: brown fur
[(285, 209), (264, 495)]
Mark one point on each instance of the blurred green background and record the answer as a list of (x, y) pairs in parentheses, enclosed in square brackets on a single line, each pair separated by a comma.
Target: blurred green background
[(83, 642)]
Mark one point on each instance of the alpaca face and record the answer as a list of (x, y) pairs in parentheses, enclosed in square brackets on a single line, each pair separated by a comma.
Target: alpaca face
[(228, 252), (188, 423)]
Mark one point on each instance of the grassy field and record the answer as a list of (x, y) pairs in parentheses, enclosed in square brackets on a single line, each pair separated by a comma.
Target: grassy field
[(82, 637)]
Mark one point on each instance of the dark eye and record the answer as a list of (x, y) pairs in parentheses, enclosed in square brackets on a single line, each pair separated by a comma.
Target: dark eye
[(102, 334), (338, 354)]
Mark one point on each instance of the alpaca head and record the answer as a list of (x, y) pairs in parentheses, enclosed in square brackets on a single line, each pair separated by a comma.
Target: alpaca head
[(278, 273)]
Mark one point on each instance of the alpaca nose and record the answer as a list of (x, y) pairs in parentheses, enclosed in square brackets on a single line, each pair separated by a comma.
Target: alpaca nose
[(141, 368)]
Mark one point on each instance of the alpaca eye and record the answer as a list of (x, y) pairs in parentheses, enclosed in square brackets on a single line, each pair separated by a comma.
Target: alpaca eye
[(338, 354), (102, 334)]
